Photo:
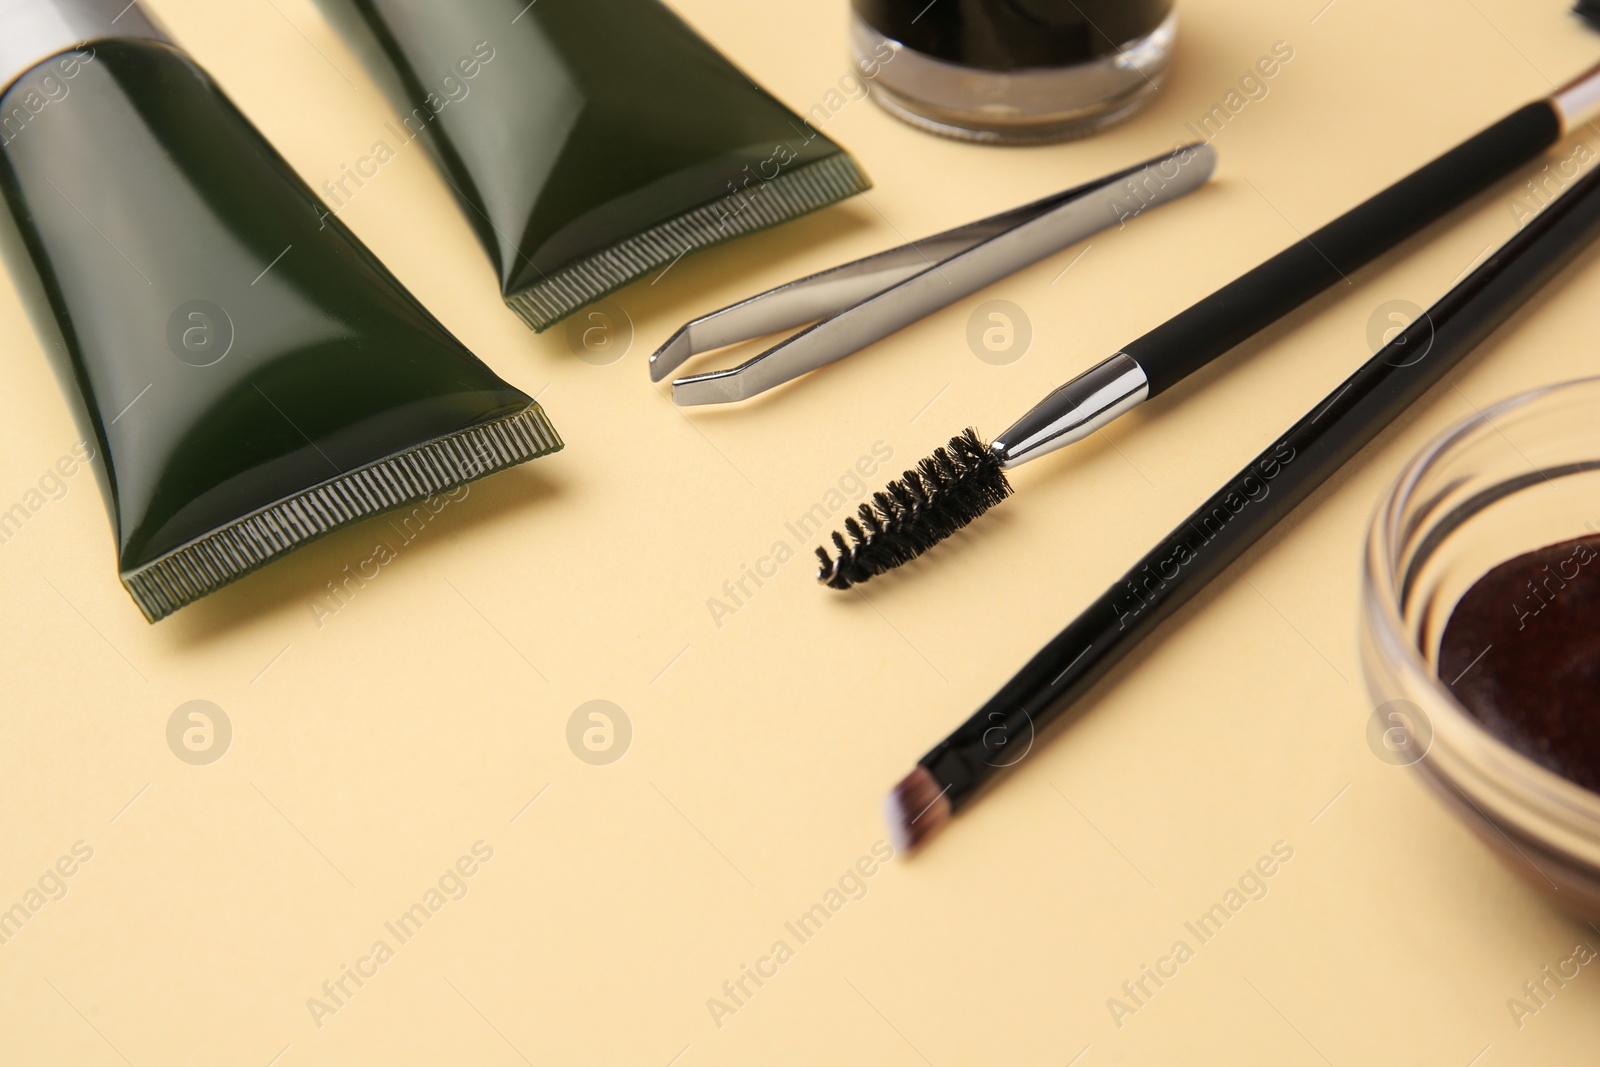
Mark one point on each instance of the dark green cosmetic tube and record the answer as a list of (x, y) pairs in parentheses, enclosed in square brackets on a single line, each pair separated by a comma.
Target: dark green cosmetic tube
[(251, 375), (591, 142)]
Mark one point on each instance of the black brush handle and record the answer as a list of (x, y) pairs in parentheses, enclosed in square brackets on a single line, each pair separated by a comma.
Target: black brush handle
[(1242, 308), (1260, 495)]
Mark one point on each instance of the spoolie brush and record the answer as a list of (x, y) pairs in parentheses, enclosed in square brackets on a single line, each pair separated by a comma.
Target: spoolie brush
[(944, 494), (924, 506), (963, 480)]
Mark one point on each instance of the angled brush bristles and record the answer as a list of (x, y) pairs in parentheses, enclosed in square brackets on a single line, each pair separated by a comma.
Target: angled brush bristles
[(914, 809), (924, 506)]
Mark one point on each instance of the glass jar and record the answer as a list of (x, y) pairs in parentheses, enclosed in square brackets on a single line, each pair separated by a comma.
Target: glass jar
[(1523, 475), (1013, 71)]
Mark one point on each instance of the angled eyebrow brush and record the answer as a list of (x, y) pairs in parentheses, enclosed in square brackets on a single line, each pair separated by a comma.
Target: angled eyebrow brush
[(963, 480)]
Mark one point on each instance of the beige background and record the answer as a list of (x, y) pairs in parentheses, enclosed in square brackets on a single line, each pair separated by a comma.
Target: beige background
[(372, 752)]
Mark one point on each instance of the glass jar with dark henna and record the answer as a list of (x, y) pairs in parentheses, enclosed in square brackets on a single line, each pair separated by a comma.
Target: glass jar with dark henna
[(1013, 71), (1481, 632)]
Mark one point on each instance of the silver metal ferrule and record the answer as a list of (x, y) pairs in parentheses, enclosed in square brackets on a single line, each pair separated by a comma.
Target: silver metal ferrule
[(1578, 101), (32, 31), (1074, 411)]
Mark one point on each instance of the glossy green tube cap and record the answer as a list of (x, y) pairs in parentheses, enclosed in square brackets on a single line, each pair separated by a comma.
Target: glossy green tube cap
[(591, 142), (251, 374)]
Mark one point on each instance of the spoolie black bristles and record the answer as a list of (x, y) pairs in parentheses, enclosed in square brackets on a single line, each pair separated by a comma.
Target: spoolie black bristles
[(924, 506)]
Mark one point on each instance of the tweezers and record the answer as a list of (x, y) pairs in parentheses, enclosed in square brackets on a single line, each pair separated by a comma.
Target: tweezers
[(853, 305)]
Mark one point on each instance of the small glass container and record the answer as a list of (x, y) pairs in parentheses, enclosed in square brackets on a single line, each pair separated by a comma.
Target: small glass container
[(1013, 71), (1522, 476)]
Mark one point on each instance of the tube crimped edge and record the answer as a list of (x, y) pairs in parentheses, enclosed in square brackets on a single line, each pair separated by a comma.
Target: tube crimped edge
[(204, 565), (812, 186)]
